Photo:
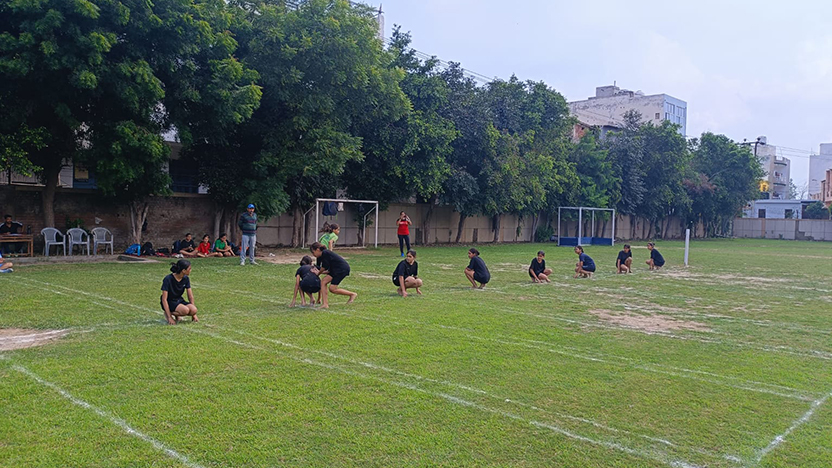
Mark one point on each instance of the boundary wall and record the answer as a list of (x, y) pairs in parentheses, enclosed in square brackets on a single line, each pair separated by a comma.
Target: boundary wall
[(789, 229)]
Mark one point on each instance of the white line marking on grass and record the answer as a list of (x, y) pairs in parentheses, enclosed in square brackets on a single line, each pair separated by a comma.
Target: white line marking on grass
[(602, 358), (661, 457), (650, 454), (113, 419), (797, 423)]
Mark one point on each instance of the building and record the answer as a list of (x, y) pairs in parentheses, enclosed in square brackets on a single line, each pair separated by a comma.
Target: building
[(777, 169), (819, 165), (607, 108), (776, 209), (825, 194)]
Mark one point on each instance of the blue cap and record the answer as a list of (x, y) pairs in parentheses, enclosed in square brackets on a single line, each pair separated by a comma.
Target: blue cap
[(250, 205)]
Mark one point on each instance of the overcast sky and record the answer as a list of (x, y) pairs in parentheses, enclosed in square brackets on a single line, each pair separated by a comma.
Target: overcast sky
[(745, 68)]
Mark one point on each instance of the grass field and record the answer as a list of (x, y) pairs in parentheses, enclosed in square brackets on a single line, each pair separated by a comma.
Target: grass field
[(727, 363)]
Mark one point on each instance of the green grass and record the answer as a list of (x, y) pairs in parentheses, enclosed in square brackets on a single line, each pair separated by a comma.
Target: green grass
[(515, 375)]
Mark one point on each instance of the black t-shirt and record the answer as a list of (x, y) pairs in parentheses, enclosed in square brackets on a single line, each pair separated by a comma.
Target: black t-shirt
[(404, 270), (13, 229), (537, 267), (623, 256), (333, 263), (175, 288), (305, 271), (183, 245), (478, 265), (587, 261), (657, 258)]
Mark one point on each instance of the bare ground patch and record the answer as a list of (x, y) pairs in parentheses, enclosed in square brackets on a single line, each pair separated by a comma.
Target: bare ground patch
[(19, 338), (650, 323)]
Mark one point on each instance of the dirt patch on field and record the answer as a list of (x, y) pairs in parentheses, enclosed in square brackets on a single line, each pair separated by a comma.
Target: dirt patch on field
[(651, 323), (18, 338), (292, 257)]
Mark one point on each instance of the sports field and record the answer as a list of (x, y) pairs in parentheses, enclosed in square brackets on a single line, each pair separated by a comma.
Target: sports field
[(726, 363)]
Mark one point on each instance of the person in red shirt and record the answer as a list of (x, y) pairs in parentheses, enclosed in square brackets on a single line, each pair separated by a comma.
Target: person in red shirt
[(403, 231), (204, 248)]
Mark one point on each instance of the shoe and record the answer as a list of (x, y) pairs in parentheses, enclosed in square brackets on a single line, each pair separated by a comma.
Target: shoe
[(7, 270), (252, 262), (242, 263), (402, 254)]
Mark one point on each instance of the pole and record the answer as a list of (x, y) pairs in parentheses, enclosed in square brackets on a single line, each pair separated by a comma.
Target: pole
[(580, 224), (317, 212), (376, 243), (687, 245), (558, 226), (613, 227)]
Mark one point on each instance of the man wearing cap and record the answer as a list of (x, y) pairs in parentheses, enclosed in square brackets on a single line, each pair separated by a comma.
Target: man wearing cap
[(248, 224)]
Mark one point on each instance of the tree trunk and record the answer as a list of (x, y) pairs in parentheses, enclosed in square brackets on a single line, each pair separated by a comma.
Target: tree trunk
[(217, 222), (138, 213), (496, 220), (426, 240), (297, 226), (460, 227), (535, 222), (50, 175), (651, 223), (227, 222)]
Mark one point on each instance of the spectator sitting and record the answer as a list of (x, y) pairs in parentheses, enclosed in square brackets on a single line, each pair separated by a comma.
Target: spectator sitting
[(7, 228), (222, 247), (5, 267), (204, 248), (187, 247)]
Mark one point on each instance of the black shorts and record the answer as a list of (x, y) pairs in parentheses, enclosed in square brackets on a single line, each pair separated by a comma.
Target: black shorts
[(172, 305), (591, 270), (310, 287), (396, 280), (338, 276), (658, 264), (480, 279)]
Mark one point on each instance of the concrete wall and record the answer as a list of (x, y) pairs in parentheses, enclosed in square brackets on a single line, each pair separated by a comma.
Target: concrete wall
[(790, 229)]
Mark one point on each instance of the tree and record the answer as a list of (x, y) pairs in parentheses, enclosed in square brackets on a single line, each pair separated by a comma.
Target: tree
[(665, 161), (816, 210), (323, 74)]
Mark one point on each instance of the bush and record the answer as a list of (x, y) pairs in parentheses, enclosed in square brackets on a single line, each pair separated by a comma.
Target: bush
[(544, 233), (817, 210)]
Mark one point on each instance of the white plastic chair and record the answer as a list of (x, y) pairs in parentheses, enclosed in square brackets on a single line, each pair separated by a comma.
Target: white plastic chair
[(79, 237), (50, 238), (102, 236)]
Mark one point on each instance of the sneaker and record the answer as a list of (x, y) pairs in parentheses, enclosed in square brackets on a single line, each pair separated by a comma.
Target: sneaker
[(252, 262), (242, 263), (7, 270), (402, 254)]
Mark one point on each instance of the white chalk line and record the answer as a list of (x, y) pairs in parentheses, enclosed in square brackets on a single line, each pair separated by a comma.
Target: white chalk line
[(649, 454), (171, 453), (680, 372), (644, 454), (797, 423), (512, 401), (750, 386)]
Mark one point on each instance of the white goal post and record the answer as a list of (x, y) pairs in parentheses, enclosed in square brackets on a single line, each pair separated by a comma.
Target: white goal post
[(592, 238), (317, 209)]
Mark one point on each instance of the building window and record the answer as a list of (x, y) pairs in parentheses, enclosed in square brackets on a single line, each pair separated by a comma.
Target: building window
[(761, 213), (789, 214), (658, 115)]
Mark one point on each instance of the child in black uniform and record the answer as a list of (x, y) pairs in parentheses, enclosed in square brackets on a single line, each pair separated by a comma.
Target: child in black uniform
[(173, 287), (538, 270), (406, 275), (477, 272), (306, 281), (656, 260), (625, 260), (335, 269), (585, 266)]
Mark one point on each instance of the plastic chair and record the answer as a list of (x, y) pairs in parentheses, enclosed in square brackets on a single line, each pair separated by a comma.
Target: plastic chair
[(50, 238), (102, 236), (79, 237)]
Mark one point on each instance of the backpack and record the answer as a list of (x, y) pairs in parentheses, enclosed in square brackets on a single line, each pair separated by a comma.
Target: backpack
[(134, 249), (147, 249), (176, 247), (330, 209), (163, 251)]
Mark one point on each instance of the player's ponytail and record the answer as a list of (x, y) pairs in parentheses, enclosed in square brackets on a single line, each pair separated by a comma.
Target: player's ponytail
[(180, 266), (326, 227)]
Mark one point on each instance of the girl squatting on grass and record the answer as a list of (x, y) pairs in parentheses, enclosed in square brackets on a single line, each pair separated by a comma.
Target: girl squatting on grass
[(538, 270), (585, 266), (335, 269), (656, 260), (307, 282), (173, 287), (406, 275), (476, 271)]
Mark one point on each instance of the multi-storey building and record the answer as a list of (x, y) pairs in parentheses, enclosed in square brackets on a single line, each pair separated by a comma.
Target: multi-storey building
[(607, 108), (819, 165), (777, 169)]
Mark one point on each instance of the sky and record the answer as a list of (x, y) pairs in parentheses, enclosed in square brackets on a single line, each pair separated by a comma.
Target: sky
[(745, 68)]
